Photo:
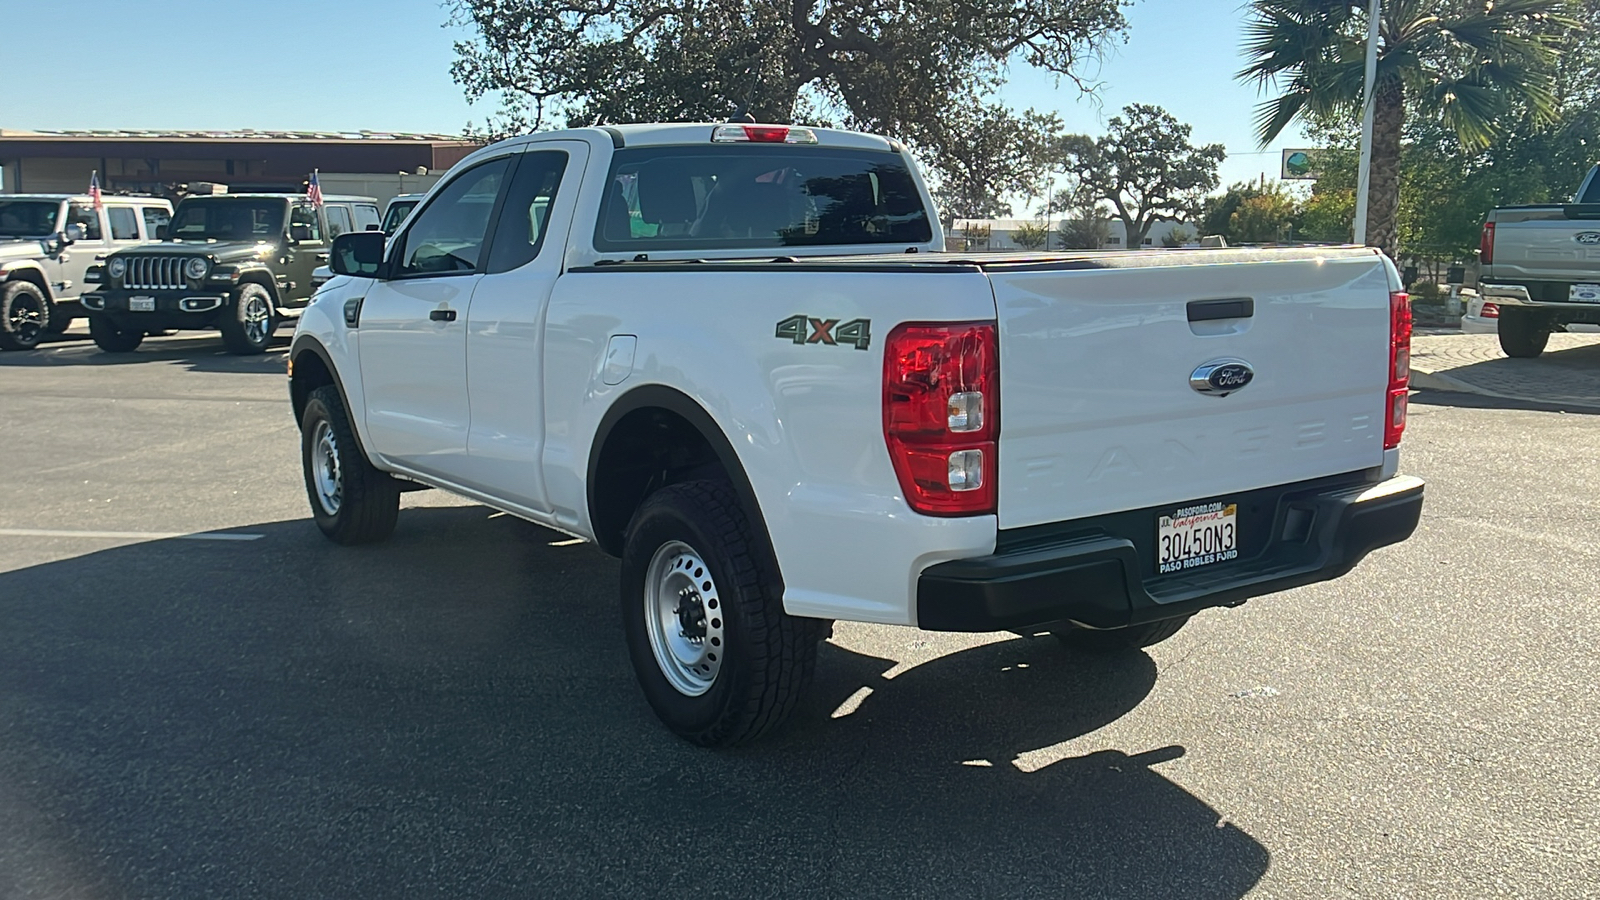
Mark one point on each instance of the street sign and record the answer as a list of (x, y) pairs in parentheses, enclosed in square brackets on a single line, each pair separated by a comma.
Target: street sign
[(1297, 166)]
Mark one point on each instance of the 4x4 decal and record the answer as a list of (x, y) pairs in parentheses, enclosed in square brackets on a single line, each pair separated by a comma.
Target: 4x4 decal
[(807, 330)]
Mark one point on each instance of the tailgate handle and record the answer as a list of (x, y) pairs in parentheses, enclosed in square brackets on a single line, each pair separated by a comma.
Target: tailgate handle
[(1232, 308)]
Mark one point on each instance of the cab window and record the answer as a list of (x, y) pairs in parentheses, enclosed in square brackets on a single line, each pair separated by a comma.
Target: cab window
[(306, 216), (124, 223), (446, 236), (85, 218), (521, 227), (155, 217)]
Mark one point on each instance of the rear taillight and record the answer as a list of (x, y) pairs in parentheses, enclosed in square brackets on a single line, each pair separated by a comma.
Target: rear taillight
[(941, 415), (1394, 424), (1486, 244), (1489, 311)]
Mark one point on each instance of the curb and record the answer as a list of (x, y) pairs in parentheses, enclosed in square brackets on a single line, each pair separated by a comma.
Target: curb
[(1433, 381)]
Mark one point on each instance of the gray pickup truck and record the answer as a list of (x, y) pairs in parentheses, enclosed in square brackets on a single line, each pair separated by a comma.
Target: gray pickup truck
[(1541, 266)]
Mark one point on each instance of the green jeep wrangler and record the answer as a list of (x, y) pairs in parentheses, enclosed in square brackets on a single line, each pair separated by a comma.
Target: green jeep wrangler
[(241, 263)]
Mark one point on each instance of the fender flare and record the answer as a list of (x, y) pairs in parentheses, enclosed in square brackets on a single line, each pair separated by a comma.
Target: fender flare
[(303, 344), (12, 269), (269, 280), (681, 404)]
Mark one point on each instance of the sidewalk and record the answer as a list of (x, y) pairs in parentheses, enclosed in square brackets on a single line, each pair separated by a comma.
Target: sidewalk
[(1567, 374)]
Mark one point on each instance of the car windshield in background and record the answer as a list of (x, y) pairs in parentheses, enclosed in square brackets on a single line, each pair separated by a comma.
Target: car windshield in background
[(228, 220), (28, 218), (397, 214), (748, 197)]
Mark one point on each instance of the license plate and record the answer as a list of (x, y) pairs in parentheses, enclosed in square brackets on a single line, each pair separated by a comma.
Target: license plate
[(141, 304), (1584, 293), (1197, 536)]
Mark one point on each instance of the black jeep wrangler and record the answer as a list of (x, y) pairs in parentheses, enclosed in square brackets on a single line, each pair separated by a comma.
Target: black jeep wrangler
[(241, 263)]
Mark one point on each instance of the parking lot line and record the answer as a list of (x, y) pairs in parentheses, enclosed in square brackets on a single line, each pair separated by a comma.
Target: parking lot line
[(130, 535)]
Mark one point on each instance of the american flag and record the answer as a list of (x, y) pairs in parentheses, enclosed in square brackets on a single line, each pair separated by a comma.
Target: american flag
[(94, 189), (314, 190)]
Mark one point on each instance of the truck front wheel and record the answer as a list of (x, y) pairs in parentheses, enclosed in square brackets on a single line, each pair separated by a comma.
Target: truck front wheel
[(1523, 333), (718, 659), (1118, 640), (247, 326), (351, 500), (24, 316)]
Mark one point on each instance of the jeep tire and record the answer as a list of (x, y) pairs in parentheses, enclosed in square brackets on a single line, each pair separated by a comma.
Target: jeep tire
[(718, 659), (351, 500), (24, 315), (1117, 640), (108, 337), (247, 324), (1523, 332)]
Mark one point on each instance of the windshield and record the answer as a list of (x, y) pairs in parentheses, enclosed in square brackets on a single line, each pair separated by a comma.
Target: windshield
[(398, 210), (722, 197), (28, 218), (239, 219)]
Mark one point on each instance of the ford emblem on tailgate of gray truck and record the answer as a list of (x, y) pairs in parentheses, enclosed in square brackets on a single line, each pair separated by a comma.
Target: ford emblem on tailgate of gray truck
[(1587, 237), (1221, 377)]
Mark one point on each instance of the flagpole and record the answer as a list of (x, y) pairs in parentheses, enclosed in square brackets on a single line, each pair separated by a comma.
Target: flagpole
[(1364, 180)]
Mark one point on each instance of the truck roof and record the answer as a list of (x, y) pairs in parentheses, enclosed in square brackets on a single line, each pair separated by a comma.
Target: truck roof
[(696, 133), (85, 198), (347, 198)]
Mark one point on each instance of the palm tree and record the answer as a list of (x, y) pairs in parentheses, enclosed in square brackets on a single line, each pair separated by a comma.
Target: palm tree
[(1474, 64)]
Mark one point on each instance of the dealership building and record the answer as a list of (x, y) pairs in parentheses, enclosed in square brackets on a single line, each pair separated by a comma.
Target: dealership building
[(165, 162)]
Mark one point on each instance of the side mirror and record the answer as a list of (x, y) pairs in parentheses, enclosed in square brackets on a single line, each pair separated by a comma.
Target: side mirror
[(299, 233), (74, 233), (358, 253), (161, 232), (374, 226)]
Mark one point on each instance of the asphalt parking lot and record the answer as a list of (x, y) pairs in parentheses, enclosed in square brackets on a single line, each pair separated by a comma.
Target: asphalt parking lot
[(201, 697)]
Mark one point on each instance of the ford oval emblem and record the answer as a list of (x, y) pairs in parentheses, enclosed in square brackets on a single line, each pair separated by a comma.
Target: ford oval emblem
[(1221, 377), (1587, 237)]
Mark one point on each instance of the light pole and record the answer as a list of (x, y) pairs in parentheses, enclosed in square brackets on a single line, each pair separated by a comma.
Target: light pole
[(1364, 179)]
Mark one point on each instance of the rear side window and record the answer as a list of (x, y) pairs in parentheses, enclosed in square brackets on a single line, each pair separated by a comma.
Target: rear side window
[(748, 197), (155, 217), (124, 223), (338, 220)]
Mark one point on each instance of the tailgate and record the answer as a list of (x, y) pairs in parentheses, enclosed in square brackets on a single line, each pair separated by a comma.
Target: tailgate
[(1545, 245), (1097, 412)]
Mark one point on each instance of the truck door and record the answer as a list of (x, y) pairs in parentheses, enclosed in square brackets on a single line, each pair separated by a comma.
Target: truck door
[(66, 282), (505, 340), (312, 250), (413, 341)]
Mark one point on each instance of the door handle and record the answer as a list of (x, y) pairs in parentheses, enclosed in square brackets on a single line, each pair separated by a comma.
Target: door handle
[(443, 315)]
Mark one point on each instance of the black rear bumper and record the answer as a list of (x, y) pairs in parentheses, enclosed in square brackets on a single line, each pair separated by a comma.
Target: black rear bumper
[(1100, 573)]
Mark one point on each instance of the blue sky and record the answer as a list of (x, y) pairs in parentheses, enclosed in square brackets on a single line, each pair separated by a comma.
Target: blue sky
[(384, 65)]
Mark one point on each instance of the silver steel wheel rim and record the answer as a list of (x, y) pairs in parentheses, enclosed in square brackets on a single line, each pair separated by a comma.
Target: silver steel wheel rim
[(683, 614), (256, 315), (327, 478)]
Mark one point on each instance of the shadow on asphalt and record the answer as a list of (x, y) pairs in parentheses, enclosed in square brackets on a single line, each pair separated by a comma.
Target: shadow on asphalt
[(1463, 400), (452, 714), (194, 353)]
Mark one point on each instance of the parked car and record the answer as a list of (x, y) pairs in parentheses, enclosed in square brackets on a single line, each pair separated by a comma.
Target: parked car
[(398, 209), (1482, 316), (48, 243), (240, 263), (736, 357), (1540, 265)]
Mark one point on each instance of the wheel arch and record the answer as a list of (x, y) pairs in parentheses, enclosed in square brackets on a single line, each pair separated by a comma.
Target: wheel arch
[(312, 367), (623, 469), (31, 273), (265, 278)]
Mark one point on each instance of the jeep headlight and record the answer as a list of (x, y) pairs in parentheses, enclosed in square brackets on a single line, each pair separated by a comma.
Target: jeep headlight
[(117, 266), (197, 268)]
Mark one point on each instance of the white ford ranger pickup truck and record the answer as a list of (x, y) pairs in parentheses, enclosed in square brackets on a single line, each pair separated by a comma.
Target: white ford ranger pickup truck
[(738, 358)]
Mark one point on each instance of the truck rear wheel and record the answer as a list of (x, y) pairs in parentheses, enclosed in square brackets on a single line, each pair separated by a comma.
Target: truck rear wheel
[(351, 500), (1118, 640), (248, 324), (24, 316), (108, 337), (1523, 333), (718, 659)]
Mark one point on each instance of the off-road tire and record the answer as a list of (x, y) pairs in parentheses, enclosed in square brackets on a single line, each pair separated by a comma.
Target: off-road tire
[(369, 499), (1118, 640), (108, 337), (24, 315), (242, 333), (768, 655), (59, 321), (1522, 333)]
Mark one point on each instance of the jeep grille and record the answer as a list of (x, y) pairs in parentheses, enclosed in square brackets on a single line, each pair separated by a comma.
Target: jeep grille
[(155, 273)]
